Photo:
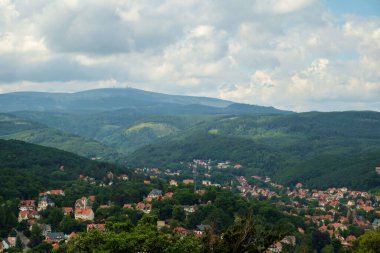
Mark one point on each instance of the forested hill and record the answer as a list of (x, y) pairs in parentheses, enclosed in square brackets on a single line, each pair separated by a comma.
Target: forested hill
[(27, 169), (12, 127), (318, 149)]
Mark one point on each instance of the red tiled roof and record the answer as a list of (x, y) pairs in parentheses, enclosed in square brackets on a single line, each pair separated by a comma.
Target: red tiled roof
[(127, 206), (85, 211)]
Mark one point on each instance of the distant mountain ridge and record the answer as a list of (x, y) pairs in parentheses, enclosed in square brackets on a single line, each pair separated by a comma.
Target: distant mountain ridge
[(121, 98)]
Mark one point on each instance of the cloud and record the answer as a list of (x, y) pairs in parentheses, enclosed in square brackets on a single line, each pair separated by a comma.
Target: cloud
[(294, 54)]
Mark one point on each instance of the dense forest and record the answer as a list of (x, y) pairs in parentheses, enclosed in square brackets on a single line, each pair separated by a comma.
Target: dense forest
[(27, 169)]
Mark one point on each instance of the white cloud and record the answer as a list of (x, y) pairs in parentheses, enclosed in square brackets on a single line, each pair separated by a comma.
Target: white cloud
[(293, 54), (282, 6)]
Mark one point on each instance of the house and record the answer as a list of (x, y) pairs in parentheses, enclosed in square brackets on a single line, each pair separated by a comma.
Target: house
[(100, 227), (206, 182), (55, 246), (83, 203), (109, 176), (188, 181), (189, 209), (173, 183), (181, 231), (147, 199), (26, 215), (238, 166), (376, 223), (377, 170), (351, 238), (146, 182), (9, 242), (169, 195), (72, 235), (123, 177), (275, 248), (146, 208), (44, 203), (202, 229), (160, 224), (52, 192), (67, 210), (85, 214), (128, 206), (45, 228), (104, 206), (54, 237), (27, 205), (299, 185), (337, 226), (290, 240), (155, 193), (367, 208)]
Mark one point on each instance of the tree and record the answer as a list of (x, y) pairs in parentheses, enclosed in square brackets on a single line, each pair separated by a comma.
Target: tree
[(319, 240), (185, 197), (52, 216), (142, 238), (36, 236), (179, 213), (369, 242), (42, 248), (245, 235), (69, 224), (22, 226), (19, 244)]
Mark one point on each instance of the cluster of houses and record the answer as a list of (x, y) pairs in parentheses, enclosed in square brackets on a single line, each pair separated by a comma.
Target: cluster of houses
[(29, 211), (208, 164), (277, 247), (107, 180), (254, 191), (329, 203), (7, 243)]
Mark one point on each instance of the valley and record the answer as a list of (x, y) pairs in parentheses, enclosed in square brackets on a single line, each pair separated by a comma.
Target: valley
[(195, 174)]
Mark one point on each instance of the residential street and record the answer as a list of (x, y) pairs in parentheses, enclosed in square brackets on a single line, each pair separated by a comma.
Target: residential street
[(24, 240)]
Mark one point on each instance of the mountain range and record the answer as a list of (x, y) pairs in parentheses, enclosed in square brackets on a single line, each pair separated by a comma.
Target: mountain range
[(138, 128), (116, 98)]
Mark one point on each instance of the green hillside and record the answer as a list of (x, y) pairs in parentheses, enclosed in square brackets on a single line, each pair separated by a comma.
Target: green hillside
[(319, 149), (15, 128), (26, 169), (122, 130)]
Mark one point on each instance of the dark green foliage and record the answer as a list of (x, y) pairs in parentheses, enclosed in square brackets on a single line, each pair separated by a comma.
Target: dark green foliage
[(8, 219), (15, 128), (42, 248), (319, 149), (36, 236), (52, 216), (143, 238), (320, 240), (245, 235), (27, 169), (68, 224), (369, 242)]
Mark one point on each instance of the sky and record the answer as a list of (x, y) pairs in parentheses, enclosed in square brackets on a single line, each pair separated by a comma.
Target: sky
[(298, 55)]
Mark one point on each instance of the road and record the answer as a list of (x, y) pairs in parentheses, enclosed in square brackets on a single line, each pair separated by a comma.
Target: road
[(24, 240)]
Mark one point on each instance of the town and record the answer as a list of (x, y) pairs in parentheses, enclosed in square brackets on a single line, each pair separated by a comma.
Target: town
[(177, 196)]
